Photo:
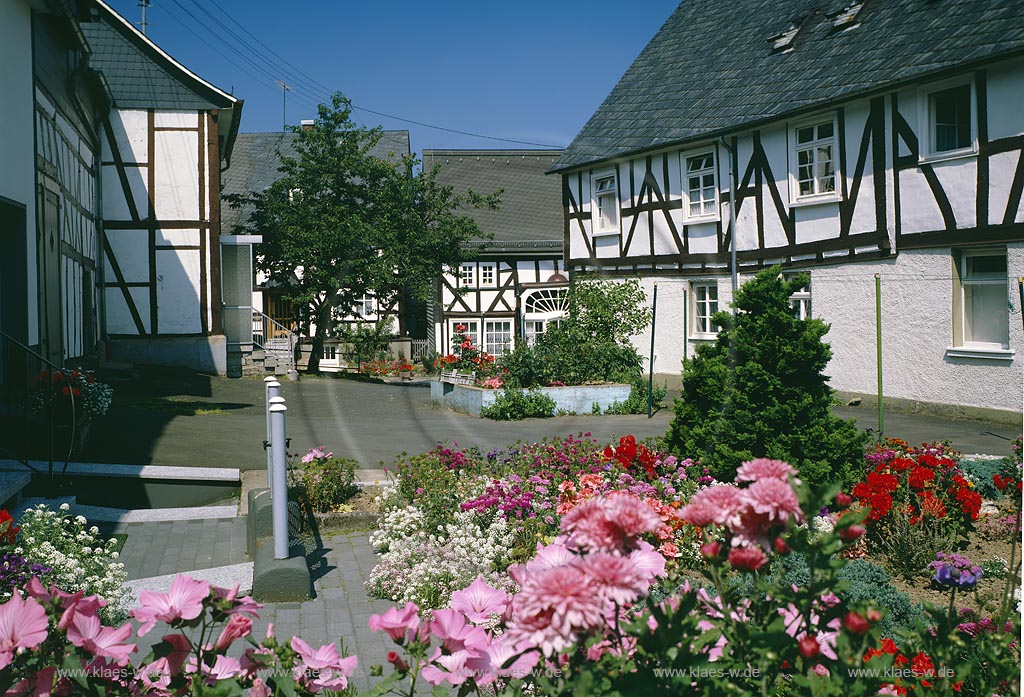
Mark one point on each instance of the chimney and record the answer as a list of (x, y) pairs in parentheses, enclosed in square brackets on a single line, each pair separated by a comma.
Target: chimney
[(307, 124)]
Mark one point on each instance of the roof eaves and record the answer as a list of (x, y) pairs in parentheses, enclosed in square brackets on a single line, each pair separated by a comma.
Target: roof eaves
[(128, 30), (809, 108)]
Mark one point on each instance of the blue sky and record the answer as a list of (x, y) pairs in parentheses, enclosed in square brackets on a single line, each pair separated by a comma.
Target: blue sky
[(530, 70)]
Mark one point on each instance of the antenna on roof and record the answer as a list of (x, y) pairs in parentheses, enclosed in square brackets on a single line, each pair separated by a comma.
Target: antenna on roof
[(144, 4), (285, 89)]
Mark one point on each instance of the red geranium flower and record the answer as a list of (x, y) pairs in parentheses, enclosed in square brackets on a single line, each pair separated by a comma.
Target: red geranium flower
[(7, 530)]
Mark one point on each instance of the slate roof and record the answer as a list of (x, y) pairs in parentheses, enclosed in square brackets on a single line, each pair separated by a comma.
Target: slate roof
[(138, 73), (711, 68), (530, 215), (255, 162)]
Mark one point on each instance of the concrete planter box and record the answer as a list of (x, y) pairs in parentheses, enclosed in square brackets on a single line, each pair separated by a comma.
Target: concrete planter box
[(580, 399)]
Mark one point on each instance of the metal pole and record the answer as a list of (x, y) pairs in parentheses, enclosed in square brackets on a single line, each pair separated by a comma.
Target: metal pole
[(878, 349), (279, 483), (686, 325), (268, 393), (650, 364), (277, 399)]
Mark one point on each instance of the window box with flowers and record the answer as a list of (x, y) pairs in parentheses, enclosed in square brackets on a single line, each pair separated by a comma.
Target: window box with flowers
[(68, 401)]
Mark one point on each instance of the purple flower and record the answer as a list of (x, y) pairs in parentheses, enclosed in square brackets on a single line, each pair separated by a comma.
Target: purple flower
[(955, 571)]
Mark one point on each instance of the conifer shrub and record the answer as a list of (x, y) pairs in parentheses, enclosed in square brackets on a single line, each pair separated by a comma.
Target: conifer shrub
[(760, 391)]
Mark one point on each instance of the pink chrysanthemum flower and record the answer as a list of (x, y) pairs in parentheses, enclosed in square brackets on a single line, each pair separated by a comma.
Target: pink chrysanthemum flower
[(747, 558), (763, 468), (617, 578), (719, 505), (555, 606), (610, 524), (775, 499)]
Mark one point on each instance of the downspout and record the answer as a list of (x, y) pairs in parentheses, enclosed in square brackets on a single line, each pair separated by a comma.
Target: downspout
[(732, 217)]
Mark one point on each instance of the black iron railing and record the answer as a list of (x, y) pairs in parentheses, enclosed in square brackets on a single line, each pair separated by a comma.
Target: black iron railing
[(37, 421)]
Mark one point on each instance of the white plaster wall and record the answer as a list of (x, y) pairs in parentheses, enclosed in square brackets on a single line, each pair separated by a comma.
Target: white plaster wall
[(177, 289), (131, 249), (1005, 100), (176, 176), (17, 179), (916, 331)]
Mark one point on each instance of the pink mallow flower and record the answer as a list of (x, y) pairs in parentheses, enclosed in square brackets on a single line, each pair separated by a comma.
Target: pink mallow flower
[(22, 626), (402, 625), (478, 601), (647, 561), (455, 633), (71, 603), (183, 602), (86, 632), (553, 607), (763, 468), (491, 664), (322, 669), (236, 628), (449, 668)]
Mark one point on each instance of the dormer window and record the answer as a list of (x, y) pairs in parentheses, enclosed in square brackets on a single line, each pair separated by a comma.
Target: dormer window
[(846, 18)]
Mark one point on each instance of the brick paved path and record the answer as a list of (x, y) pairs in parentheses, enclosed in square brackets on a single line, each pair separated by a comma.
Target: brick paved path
[(161, 548)]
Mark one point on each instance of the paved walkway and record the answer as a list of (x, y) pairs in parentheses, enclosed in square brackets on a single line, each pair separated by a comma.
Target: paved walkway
[(161, 548)]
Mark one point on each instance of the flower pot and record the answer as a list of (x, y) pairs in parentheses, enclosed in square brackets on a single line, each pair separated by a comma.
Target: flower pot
[(405, 374)]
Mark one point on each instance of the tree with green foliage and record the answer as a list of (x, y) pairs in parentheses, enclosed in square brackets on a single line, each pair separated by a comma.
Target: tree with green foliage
[(341, 223), (592, 343), (760, 391)]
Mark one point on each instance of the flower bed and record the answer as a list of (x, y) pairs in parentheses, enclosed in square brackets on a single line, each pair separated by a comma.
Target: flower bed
[(579, 399)]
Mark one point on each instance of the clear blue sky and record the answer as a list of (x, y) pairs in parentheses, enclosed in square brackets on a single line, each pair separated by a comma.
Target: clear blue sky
[(533, 70)]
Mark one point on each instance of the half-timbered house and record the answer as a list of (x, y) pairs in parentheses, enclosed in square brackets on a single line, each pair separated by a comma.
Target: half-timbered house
[(112, 186), (164, 142), (516, 286), (844, 138)]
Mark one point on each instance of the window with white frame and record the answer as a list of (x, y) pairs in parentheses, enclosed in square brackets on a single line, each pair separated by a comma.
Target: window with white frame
[(814, 153), (330, 352), (605, 203), (488, 276), (800, 300), (533, 329), (985, 298), (471, 328), (365, 306), (701, 186), (498, 337), (705, 305), (467, 275), (950, 120)]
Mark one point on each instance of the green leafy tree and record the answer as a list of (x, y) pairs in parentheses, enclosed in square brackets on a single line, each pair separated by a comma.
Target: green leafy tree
[(592, 343), (341, 223), (760, 391)]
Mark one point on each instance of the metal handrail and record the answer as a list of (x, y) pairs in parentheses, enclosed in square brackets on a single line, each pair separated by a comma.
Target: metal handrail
[(263, 337), (26, 409)]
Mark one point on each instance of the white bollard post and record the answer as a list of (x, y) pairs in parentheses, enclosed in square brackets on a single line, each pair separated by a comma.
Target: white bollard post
[(270, 450), (272, 388), (279, 482)]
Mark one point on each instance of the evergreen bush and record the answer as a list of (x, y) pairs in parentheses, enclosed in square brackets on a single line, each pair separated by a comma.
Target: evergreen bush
[(513, 405), (759, 391)]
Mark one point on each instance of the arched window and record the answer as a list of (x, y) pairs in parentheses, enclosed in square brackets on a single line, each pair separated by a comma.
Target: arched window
[(543, 308)]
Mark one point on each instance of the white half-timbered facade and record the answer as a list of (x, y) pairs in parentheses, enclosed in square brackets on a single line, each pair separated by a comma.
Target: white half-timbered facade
[(831, 148), (163, 145), (517, 286)]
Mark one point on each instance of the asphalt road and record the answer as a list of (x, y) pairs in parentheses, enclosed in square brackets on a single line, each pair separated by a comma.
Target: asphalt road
[(374, 423)]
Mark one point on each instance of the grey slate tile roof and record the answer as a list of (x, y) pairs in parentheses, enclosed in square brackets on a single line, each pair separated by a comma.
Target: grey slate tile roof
[(711, 68), (255, 162), (138, 76), (530, 215)]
